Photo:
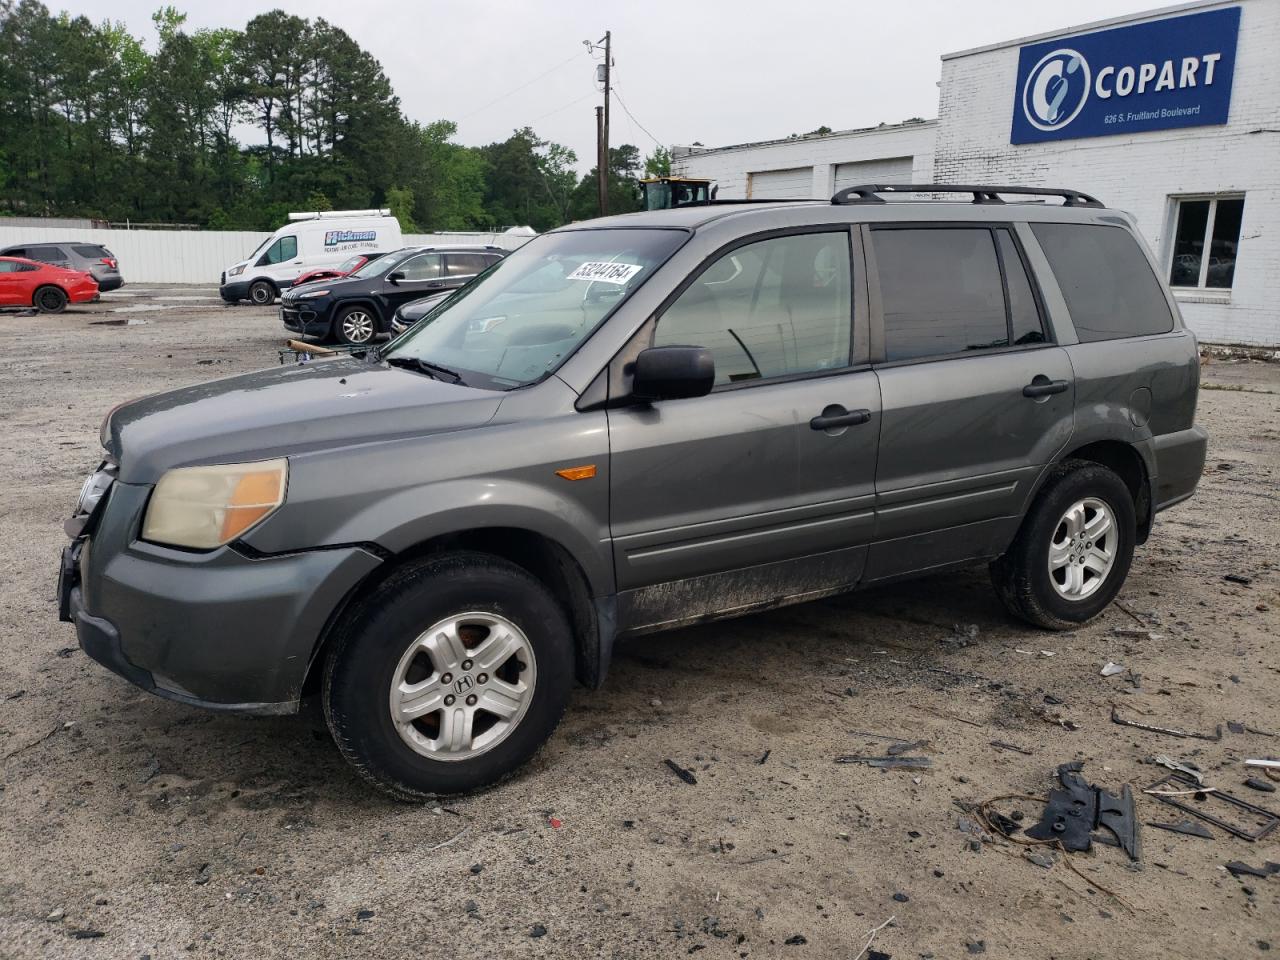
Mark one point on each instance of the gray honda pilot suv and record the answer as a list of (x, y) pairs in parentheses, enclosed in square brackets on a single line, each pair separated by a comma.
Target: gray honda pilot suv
[(632, 424)]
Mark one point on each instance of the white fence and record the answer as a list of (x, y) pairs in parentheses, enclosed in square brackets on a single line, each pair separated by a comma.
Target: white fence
[(196, 256)]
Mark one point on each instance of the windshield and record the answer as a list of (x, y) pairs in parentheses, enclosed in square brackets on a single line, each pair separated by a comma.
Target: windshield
[(514, 324), (351, 263), (376, 268), (260, 247)]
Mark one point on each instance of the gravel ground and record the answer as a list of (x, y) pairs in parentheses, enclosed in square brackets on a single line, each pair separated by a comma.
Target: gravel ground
[(131, 826)]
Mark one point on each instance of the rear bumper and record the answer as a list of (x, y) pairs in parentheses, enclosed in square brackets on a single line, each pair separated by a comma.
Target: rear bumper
[(1180, 460), (109, 282)]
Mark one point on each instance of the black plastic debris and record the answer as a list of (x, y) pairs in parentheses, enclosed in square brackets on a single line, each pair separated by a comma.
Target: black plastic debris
[(1266, 786), (1239, 869), (1238, 578), (685, 775), (1079, 808), (1188, 827)]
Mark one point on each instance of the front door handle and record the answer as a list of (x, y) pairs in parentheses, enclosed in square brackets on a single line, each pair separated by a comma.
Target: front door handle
[(1042, 386), (836, 416)]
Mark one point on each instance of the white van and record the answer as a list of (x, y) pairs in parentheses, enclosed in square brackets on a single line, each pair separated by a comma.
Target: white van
[(309, 241)]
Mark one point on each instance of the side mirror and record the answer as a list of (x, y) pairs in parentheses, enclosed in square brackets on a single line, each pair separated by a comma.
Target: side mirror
[(395, 276), (673, 373)]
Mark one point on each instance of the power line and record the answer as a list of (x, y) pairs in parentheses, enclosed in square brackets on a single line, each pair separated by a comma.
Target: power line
[(522, 86), (558, 109), (656, 141)]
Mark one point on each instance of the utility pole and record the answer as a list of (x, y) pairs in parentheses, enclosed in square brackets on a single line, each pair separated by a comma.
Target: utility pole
[(601, 185), (602, 130)]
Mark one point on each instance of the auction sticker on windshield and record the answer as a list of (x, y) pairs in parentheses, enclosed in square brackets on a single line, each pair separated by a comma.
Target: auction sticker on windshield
[(606, 272)]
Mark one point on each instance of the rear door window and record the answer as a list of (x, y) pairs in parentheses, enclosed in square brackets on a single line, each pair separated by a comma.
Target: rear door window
[(47, 254), (940, 291), (1106, 279), (464, 264)]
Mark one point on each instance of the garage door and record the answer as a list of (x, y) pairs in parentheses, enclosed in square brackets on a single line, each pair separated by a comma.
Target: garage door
[(888, 170), (781, 184)]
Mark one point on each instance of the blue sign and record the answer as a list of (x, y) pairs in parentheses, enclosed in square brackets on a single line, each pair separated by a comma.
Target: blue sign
[(1167, 73)]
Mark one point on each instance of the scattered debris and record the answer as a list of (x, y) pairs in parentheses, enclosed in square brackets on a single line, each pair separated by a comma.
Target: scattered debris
[(1116, 718), (1111, 669), (86, 934), (1265, 764), (1238, 578), (56, 915), (555, 823), (538, 930), (871, 936), (898, 749), (149, 770), (976, 946), (1184, 768), (962, 634), (1259, 821), (889, 763), (763, 757), (1265, 786), (1074, 812), (1187, 827), (1131, 632), (1001, 745), (1237, 869), (685, 775), (1235, 727), (1046, 860)]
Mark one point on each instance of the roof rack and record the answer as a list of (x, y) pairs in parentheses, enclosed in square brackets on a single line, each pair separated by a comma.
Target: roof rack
[(869, 193)]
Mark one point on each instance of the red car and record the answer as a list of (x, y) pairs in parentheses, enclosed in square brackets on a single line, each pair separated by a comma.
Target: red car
[(350, 265), (29, 283)]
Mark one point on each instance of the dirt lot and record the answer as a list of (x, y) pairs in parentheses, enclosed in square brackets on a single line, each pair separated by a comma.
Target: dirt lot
[(131, 826)]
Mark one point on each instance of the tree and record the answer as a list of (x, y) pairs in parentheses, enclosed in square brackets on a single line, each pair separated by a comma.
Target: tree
[(658, 163), (400, 200), (624, 186)]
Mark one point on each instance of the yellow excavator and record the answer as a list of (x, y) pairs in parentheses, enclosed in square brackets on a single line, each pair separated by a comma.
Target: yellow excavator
[(668, 193)]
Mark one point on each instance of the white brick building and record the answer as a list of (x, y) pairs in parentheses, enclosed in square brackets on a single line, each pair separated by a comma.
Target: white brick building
[(815, 165), (1207, 197)]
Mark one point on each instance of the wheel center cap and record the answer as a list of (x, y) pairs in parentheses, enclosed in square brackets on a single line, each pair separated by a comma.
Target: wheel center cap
[(463, 684)]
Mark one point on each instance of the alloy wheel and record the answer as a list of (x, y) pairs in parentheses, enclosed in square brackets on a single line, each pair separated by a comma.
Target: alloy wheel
[(357, 327), (1083, 549), (462, 686)]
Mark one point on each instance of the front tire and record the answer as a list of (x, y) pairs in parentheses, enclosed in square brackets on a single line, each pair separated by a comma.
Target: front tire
[(355, 326), (1073, 551), (448, 676), (50, 300), (262, 293)]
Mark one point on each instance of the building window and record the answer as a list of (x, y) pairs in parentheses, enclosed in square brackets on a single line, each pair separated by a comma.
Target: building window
[(1205, 239)]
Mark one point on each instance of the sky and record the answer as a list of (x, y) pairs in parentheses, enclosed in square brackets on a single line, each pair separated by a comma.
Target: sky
[(717, 72)]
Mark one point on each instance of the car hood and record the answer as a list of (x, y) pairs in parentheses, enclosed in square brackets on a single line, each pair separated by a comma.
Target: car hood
[(286, 410), (338, 286)]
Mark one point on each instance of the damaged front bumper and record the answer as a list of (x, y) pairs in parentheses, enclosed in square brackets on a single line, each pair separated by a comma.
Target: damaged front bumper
[(219, 629)]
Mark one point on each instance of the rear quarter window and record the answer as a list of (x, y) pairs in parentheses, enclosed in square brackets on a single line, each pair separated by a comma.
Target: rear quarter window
[(1106, 279), (91, 251)]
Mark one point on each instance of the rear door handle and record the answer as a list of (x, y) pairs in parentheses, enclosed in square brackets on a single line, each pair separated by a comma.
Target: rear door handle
[(836, 416), (1042, 386)]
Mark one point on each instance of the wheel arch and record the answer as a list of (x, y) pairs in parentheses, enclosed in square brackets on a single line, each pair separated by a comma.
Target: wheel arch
[(539, 555), (1124, 460)]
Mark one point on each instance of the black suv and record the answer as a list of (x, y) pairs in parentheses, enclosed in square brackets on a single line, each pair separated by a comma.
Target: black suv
[(356, 308)]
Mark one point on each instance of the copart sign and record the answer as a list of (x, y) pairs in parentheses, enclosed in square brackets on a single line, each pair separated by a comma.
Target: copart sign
[(1175, 72)]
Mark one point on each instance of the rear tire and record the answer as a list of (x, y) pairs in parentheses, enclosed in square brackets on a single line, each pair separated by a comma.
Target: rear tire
[(416, 664), (1073, 551), (262, 293), (50, 300)]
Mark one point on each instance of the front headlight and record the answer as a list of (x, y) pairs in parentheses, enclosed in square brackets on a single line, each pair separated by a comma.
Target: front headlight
[(313, 293), (205, 507), (236, 271)]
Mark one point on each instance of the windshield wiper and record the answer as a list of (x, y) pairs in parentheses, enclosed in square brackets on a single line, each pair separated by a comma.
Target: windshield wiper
[(433, 370)]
